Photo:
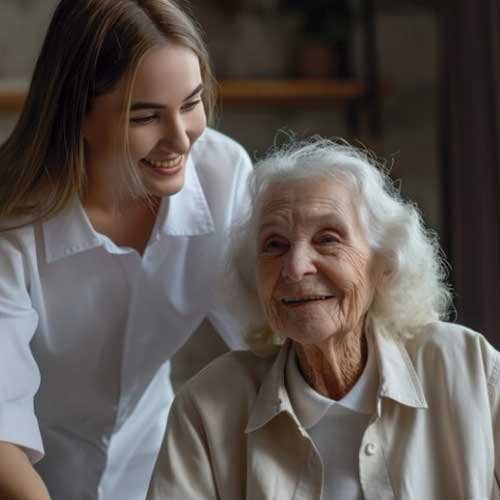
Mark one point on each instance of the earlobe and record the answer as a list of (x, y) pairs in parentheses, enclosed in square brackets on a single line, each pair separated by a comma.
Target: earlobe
[(385, 277), (384, 272)]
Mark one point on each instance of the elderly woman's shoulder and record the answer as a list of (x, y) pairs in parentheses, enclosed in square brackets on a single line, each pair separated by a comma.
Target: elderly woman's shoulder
[(239, 372), (442, 342)]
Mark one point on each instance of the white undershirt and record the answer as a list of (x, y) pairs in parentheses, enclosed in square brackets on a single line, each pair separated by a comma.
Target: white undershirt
[(335, 427)]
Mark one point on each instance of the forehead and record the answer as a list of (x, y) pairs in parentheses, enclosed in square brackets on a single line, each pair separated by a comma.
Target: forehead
[(167, 74), (308, 200)]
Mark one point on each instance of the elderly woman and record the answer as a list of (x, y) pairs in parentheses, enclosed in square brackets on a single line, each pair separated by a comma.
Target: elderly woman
[(370, 395)]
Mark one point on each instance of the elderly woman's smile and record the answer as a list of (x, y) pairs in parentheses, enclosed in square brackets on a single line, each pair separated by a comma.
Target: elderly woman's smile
[(315, 270), (305, 299)]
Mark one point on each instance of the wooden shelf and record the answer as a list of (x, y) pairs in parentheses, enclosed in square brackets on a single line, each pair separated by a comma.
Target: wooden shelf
[(245, 93), (289, 92), (12, 96)]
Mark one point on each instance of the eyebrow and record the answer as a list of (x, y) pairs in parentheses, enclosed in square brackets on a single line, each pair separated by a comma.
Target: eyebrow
[(136, 106)]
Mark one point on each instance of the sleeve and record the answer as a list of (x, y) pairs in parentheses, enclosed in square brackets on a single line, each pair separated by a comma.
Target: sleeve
[(19, 373), (234, 310), (496, 426), (183, 469), (494, 395)]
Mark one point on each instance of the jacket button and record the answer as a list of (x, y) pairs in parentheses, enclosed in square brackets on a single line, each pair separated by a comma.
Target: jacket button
[(370, 449)]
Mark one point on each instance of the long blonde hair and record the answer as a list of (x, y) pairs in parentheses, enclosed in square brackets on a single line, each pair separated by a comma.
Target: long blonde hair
[(90, 45)]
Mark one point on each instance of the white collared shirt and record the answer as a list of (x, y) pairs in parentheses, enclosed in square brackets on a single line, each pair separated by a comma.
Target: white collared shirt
[(335, 427), (87, 328)]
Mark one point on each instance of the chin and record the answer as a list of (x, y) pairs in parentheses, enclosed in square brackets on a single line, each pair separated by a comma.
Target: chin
[(309, 335), (166, 189)]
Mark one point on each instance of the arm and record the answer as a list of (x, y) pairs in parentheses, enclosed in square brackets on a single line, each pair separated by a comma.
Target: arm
[(20, 438), (183, 469), (18, 478)]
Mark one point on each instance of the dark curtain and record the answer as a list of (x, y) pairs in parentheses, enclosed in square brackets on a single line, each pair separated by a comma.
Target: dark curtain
[(471, 159)]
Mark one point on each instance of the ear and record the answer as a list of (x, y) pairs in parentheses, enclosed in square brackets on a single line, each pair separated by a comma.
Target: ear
[(383, 271), (386, 276)]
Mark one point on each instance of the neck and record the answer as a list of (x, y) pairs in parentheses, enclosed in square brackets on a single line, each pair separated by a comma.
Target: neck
[(116, 202), (334, 367), (118, 208)]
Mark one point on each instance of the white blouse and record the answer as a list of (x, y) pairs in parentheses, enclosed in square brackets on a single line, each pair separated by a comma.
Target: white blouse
[(87, 328), (335, 427)]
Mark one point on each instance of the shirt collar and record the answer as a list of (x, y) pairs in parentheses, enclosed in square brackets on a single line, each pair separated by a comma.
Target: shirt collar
[(188, 213), (184, 214), (311, 407), (69, 232), (398, 381)]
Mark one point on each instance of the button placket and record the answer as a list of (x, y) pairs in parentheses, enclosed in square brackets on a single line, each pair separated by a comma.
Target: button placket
[(373, 472)]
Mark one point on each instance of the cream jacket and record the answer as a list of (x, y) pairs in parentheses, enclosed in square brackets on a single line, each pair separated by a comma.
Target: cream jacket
[(232, 433)]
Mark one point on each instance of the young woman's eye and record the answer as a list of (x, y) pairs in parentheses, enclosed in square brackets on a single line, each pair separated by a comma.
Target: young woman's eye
[(190, 105), (143, 119)]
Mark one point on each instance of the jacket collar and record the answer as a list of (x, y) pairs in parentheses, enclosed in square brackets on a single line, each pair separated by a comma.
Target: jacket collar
[(184, 214), (273, 397), (398, 381)]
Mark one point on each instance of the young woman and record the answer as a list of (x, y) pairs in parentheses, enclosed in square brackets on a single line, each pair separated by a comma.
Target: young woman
[(115, 203)]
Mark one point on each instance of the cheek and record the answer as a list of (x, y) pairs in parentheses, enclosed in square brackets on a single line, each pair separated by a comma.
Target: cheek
[(263, 285), (142, 141), (102, 145), (196, 123), (266, 278), (349, 270), (360, 292)]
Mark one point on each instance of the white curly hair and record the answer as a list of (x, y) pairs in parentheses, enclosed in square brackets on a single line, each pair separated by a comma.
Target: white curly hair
[(415, 294)]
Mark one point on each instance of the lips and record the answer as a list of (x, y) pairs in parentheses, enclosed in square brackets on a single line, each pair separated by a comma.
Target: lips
[(169, 166), (305, 299), (168, 163)]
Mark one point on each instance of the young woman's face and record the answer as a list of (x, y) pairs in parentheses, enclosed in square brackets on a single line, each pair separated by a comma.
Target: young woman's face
[(166, 118)]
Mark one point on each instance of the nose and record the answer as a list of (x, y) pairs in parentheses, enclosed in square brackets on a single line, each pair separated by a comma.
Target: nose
[(176, 136), (298, 262)]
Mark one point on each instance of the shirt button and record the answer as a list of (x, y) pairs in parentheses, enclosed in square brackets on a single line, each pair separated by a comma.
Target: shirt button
[(370, 449)]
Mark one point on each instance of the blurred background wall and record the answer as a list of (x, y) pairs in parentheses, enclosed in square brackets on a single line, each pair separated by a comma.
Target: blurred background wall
[(401, 51)]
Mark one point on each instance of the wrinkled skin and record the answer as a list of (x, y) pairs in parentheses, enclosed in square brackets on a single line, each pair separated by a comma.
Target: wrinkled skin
[(316, 277)]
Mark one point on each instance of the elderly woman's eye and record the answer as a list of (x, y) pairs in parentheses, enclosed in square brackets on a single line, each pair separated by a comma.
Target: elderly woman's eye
[(327, 239), (275, 245)]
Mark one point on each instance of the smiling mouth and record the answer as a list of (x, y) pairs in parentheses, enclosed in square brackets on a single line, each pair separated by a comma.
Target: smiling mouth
[(305, 300), (165, 164)]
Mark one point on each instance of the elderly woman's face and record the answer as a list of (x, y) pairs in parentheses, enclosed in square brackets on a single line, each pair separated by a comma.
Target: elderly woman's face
[(316, 274)]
